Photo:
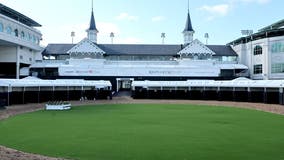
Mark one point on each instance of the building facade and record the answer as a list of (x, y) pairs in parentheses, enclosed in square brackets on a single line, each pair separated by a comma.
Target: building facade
[(19, 42), (123, 63), (263, 52)]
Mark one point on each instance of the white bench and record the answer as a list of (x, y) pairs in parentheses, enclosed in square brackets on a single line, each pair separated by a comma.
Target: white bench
[(59, 107)]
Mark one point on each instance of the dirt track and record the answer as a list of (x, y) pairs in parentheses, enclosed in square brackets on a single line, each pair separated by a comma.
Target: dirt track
[(10, 154)]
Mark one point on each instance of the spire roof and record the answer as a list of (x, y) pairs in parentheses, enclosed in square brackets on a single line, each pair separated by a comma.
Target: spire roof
[(188, 26), (93, 23)]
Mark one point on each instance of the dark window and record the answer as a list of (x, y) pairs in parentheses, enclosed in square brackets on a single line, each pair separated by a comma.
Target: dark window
[(1, 27), (16, 32), (23, 35), (257, 69), (257, 50)]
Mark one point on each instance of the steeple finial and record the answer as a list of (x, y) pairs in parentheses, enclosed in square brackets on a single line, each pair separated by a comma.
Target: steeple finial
[(92, 5), (188, 6)]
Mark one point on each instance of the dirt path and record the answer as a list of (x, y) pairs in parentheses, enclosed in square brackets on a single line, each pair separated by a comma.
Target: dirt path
[(10, 154)]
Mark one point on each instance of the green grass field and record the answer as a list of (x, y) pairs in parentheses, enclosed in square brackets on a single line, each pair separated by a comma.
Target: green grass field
[(148, 132)]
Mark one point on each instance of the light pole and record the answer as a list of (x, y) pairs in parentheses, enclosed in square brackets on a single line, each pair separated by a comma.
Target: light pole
[(206, 36), (111, 37), (163, 36), (72, 36)]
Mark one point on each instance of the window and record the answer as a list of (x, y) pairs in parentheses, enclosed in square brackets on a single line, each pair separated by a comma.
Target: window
[(30, 37), (277, 68), (9, 30), (257, 69), (1, 27), (23, 35), (257, 50), (34, 39), (16, 32), (37, 40), (21, 57), (277, 47)]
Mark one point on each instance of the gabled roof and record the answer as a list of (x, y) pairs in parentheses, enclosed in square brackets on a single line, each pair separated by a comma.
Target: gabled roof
[(93, 23), (196, 47), (138, 49), (6, 11), (86, 46), (188, 25)]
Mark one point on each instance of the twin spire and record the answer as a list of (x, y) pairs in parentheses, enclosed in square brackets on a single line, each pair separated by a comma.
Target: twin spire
[(187, 32), (188, 25), (92, 31), (93, 22)]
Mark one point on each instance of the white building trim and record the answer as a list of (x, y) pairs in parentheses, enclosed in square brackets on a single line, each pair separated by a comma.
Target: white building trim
[(196, 48), (86, 46)]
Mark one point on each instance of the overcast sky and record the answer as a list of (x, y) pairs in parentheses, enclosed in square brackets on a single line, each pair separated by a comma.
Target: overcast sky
[(143, 21)]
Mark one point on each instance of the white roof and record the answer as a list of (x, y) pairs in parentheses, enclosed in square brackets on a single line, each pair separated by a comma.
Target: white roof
[(33, 82), (241, 82)]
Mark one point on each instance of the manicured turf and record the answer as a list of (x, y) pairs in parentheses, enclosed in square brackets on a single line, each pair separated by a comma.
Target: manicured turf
[(148, 132)]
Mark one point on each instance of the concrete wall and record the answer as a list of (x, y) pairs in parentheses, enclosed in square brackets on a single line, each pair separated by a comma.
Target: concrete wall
[(8, 54), (267, 58)]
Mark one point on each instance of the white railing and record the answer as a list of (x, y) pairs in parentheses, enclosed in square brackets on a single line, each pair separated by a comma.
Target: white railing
[(52, 61), (226, 62), (141, 63)]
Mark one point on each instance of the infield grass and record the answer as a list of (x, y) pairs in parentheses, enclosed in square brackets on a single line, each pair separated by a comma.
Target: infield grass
[(148, 132)]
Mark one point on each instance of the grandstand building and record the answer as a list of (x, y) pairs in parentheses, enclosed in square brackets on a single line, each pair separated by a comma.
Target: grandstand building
[(123, 63), (19, 42), (263, 52)]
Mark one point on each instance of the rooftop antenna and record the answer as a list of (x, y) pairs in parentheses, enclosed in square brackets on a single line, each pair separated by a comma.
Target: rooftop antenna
[(111, 37), (206, 36), (163, 36), (72, 36)]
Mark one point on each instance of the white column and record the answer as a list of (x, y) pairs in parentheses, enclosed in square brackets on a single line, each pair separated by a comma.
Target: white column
[(17, 63), (267, 59)]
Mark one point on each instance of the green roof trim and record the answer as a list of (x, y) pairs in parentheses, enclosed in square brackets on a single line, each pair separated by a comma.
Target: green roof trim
[(276, 25)]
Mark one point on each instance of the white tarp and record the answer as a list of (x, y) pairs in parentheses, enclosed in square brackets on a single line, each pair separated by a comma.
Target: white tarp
[(34, 82), (241, 82)]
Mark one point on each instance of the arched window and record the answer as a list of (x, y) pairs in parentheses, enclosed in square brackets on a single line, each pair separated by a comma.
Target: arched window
[(37, 40), (1, 27), (34, 39), (23, 35), (257, 50), (30, 37), (16, 32), (9, 30)]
